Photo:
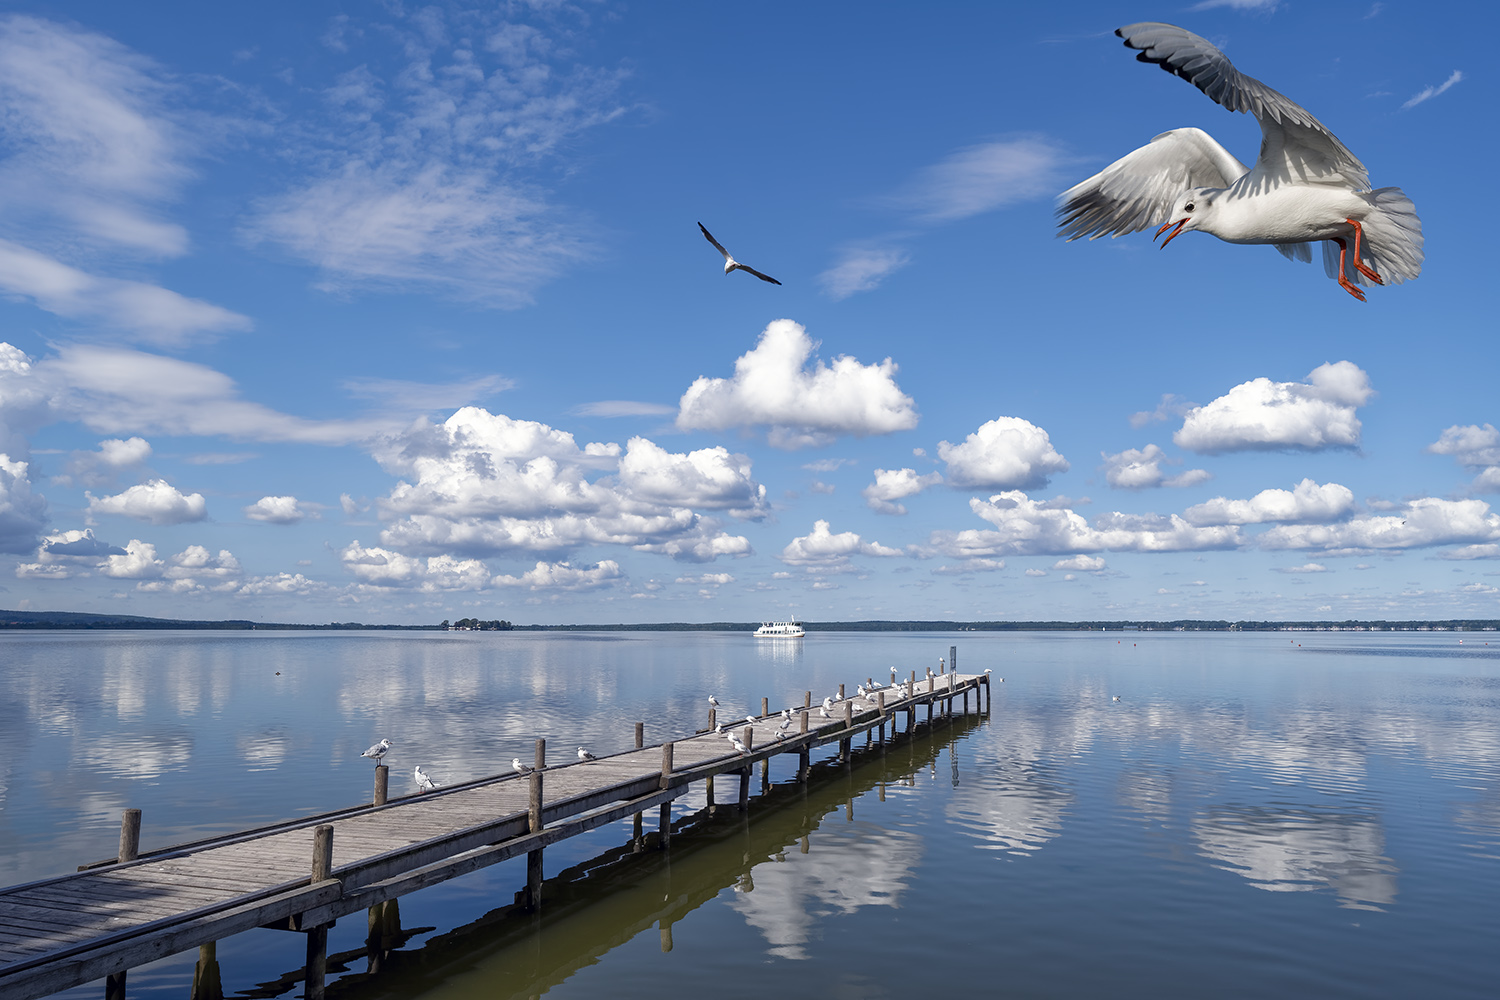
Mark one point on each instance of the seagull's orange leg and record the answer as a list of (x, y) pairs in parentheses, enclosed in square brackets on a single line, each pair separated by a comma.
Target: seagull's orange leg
[(1344, 282), (1359, 235)]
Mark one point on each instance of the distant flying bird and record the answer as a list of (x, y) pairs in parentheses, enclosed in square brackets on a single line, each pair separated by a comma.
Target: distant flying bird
[(377, 751), (730, 264), (424, 783), (520, 768), (585, 755), (1306, 187)]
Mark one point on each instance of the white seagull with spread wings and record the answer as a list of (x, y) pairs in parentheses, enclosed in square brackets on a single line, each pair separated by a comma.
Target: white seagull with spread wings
[(1305, 187), (730, 264)]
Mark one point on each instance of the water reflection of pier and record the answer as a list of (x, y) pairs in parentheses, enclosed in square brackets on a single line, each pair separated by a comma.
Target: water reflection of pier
[(611, 899)]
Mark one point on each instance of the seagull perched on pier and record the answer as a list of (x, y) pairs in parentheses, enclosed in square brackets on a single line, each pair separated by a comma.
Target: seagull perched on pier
[(520, 768), (713, 701), (730, 264), (719, 729), (424, 783), (585, 755), (751, 719), (738, 744), (377, 751), (823, 711), (1306, 187), (827, 701)]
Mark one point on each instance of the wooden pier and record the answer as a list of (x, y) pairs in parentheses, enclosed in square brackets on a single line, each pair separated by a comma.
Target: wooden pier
[(301, 876)]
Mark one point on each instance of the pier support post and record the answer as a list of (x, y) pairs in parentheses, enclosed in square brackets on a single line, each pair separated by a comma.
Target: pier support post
[(207, 984), (666, 807), (713, 718), (848, 725), (534, 816), (745, 788), (130, 836), (317, 937), (841, 692), (807, 700), (640, 743), (880, 698), (953, 659), (708, 791), (382, 784), (130, 849), (765, 707), (803, 755)]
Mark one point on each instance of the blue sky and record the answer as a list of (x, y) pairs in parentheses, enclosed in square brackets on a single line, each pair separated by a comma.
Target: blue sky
[(388, 312)]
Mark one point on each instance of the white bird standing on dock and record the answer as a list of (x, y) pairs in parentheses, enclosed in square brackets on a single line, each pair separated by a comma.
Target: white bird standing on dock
[(751, 719), (520, 768), (377, 751), (823, 711), (1306, 187), (730, 264), (424, 782), (827, 701), (719, 729), (713, 701), (786, 714), (585, 755), (738, 744)]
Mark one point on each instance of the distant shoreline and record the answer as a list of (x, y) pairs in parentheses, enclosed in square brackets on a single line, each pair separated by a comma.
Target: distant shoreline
[(83, 621)]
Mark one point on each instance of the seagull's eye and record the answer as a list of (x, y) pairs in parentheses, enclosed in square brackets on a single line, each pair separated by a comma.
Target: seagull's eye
[(1188, 207)]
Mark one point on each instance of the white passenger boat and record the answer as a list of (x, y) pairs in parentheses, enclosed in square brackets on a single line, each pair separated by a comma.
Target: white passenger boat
[(780, 630)]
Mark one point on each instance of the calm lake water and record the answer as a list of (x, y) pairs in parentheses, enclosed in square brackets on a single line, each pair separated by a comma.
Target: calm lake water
[(1297, 814)]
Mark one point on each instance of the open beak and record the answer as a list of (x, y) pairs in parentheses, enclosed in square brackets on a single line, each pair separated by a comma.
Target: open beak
[(1171, 236)]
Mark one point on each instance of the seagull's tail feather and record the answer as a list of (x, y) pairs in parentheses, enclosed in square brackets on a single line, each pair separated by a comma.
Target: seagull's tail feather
[(1298, 251), (1392, 244)]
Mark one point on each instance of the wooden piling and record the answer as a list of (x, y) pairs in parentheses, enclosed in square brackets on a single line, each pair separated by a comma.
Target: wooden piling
[(382, 784), (953, 659), (534, 822), (130, 836), (744, 788), (665, 821), (317, 937), (640, 742), (713, 718), (207, 983), (841, 692), (848, 724), (807, 700), (640, 735), (765, 707)]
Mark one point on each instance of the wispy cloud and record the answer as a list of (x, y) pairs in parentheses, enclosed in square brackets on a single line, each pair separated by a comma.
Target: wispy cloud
[(424, 165), (1262, 6), (622, 408), (1428, 93), (862, 269), (983, 178), (967, 182)]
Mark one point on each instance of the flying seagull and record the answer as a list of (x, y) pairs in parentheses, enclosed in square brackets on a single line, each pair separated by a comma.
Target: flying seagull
[(585, 755), (424, 782), (377, 751), (730, 264), (1306, 187)]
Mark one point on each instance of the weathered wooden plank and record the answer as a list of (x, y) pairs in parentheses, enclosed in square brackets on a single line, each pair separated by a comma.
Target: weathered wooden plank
[(46, 974)]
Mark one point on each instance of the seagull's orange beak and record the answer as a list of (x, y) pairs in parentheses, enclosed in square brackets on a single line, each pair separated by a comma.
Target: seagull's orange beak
[(1173, 235)]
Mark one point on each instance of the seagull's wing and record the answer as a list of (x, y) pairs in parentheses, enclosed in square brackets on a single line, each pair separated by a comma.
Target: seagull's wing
[(717, 245), (1137, 191), (1295, 145), (762, 277)]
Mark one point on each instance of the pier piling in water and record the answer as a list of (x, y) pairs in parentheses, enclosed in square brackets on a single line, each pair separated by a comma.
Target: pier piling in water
[(382, 784), (534, 822)]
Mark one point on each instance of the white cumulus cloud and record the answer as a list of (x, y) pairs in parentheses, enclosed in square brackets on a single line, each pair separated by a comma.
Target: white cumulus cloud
[(801, 404), (1418, 524), (1140, 468), (1023, 526), (157, 501), (276, 510), (482, 484), (1477, 449), (822, 548), (1307, 502), (1264, 415), (891, 485), (380, 567), (23, 514), (1080, 563), (1005, 453), (564, 576)]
